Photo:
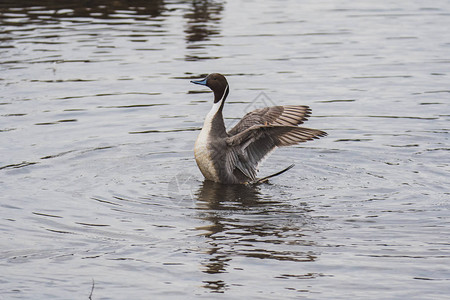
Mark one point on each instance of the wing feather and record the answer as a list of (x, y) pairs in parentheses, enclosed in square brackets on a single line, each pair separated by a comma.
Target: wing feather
[(250, 147), (274, 115)]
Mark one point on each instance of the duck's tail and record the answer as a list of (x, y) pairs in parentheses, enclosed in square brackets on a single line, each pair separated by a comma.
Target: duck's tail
[(265, 179)]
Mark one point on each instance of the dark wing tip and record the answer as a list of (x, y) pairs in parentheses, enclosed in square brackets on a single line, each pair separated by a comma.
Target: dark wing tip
[(322, 133)]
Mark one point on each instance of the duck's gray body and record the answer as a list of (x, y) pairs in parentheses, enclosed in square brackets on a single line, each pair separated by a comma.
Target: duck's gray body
[(233, 157)]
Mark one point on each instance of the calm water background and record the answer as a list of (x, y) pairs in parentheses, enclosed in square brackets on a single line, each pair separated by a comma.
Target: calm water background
[(98, 121)]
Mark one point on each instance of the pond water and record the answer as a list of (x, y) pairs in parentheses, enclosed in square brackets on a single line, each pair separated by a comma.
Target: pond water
[(100, 194)]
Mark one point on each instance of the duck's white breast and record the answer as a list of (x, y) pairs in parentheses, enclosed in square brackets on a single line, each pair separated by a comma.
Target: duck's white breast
[(202, 152)]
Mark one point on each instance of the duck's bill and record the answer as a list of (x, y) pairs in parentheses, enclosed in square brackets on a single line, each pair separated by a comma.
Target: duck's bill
[(201, 82)]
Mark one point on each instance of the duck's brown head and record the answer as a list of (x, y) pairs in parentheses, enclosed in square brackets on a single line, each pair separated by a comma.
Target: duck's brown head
[(217, 83)]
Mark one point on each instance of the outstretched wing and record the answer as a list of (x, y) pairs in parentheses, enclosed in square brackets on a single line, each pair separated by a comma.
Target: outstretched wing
[(251, 146), (290, 115)]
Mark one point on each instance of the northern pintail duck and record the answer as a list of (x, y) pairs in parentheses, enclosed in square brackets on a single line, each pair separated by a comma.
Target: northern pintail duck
[(233, 156)]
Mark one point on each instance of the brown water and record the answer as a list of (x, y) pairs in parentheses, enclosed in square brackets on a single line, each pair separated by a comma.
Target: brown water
[(98, 121)]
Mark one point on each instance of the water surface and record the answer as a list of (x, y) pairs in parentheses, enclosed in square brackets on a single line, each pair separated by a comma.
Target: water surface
[(98, 121)]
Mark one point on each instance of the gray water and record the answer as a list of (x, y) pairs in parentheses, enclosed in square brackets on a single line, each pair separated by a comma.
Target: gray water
[(100, 194)]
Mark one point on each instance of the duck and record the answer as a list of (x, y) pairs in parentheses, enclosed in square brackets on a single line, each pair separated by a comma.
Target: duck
[(234, 156)]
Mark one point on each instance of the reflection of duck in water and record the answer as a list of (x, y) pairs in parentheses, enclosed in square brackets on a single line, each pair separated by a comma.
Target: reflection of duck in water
[(243, 221), (234, 156), (216, 203), (216, 196)]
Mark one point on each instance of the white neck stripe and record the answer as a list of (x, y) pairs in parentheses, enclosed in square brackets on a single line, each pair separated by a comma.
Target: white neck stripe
[(216, 106)]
